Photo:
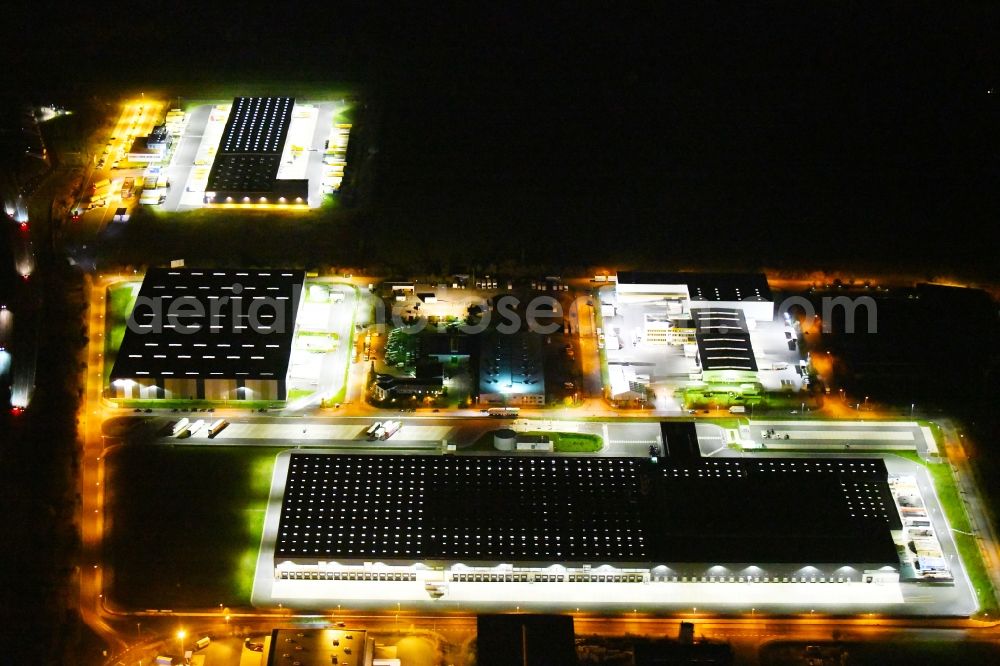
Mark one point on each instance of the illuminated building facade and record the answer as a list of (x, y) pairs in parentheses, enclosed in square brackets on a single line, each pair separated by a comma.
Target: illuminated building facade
[(446, 519), (245, 169)]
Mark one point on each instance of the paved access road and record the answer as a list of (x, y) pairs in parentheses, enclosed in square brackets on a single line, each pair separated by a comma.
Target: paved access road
[(417, 432), (184, 155)]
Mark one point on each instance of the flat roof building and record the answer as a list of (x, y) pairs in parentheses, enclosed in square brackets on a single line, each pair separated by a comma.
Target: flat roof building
[(510, 369), (749, 292), (151, 148), (209, 334), (245, 169), (388, 387), (647, 520), (625, 385), (724, 347)]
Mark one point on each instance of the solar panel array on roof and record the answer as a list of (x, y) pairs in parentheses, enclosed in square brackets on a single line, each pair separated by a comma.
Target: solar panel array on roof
[(723, 339), (711, 320), (779, 510), (490, 507), (230, 325), (576, 509), (730, 351), (257, 125), (249, 153)]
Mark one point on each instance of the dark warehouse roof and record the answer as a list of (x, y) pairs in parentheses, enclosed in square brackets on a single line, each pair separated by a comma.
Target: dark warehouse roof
[(708, 286), (585, 509), (249, 153), (228, 343)]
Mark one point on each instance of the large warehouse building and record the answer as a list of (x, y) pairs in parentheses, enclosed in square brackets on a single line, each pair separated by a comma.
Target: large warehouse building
[(249, 155), (209, 334), (586, 519)]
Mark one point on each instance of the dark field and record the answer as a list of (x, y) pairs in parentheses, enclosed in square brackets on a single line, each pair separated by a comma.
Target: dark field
[(184, 524), (734, 138)]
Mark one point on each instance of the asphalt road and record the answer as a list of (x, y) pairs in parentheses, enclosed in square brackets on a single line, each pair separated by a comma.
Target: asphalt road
[(149, 634), (417, 433), (184, 156)]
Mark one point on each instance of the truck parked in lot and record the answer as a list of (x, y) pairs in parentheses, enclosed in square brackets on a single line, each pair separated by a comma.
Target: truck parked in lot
[(389, 429), (216, 428), (181, 425), (503, 412), (127, 187)]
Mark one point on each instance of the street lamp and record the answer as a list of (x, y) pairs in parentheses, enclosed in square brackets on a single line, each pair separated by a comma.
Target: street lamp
[(181, 634)]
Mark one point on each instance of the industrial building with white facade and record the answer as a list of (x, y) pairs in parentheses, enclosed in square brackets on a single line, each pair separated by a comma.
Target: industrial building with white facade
[(666, 331), (749, 292), (437, 523), (256, 152), (209, 334)]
